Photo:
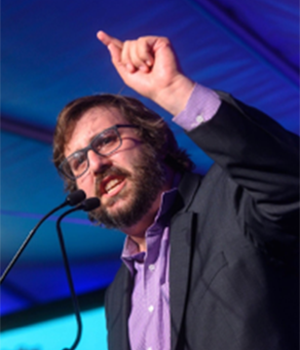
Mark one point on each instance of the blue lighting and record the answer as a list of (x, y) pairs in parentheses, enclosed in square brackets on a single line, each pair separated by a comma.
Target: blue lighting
[(58, 334)]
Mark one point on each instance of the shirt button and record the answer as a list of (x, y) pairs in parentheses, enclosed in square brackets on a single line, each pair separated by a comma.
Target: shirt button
[(151, 308), (151, 267), (199, 119)]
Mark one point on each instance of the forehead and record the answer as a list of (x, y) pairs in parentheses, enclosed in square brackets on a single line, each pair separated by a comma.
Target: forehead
[(91, 123)]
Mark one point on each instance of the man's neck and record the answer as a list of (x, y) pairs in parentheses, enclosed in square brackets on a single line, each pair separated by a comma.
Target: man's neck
[(137, 232)]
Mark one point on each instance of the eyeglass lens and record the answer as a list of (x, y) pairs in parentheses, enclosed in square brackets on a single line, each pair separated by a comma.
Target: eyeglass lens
[(102, 144)]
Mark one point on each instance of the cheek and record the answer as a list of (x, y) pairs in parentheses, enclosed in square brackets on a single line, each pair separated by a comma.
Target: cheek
[(129, 160), (87, 186)]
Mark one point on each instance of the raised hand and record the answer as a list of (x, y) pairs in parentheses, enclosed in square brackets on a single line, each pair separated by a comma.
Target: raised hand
[(149, 66)]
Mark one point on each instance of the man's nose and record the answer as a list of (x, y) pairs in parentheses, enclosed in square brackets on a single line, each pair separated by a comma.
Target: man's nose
[(97, 163)]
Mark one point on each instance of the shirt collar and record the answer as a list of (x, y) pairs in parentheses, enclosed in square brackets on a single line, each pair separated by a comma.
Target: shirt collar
[(154, 232)]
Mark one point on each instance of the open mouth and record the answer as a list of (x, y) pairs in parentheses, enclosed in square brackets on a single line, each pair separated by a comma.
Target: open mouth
[(111, 185)]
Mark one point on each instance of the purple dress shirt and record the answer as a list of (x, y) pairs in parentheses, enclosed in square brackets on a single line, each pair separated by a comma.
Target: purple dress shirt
[(149, 320)]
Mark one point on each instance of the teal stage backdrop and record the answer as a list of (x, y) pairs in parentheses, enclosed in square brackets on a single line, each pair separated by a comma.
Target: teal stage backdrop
[(58, 333)]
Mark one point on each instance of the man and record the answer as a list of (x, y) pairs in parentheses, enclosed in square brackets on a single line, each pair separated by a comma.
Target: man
[(209, 263)]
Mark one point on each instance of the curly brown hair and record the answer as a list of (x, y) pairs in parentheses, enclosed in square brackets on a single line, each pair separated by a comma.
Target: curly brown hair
[(153, 130)]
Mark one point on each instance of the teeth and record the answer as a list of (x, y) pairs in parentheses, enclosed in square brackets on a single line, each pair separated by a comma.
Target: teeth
[(111, 184)]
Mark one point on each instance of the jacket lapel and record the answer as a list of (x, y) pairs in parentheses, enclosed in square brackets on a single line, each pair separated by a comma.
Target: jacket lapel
[(126, 311), (181, 237), (119, 309), (179, 272)]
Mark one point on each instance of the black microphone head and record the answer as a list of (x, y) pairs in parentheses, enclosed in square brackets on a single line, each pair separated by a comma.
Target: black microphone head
[(76, 197), (90, 204)]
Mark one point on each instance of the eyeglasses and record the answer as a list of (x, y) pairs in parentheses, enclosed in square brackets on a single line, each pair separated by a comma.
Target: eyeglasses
[(103, 144)]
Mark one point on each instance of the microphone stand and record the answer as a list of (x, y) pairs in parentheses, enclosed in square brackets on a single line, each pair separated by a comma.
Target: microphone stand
[(89, 204), (72, 199)]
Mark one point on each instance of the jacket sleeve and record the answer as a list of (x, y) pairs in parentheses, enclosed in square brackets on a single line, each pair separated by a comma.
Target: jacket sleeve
[(261, 157)]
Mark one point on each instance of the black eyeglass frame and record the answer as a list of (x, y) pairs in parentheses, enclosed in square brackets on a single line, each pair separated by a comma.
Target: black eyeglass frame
[(90, 147)]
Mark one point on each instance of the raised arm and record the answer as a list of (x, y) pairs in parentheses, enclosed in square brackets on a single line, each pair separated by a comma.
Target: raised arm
[(255, 152), (149, 66)]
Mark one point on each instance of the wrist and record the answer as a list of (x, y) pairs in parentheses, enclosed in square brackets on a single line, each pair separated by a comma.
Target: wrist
[(175, 96)]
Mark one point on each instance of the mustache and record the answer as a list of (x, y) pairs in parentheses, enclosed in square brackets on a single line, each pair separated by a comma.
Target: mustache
[(111, 171)]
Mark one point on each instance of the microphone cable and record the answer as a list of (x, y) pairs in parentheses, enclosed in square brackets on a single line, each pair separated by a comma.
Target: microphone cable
[(88, 205), (72, 199)]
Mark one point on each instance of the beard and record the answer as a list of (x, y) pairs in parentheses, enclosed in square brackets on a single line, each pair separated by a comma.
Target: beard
[(147, 180)]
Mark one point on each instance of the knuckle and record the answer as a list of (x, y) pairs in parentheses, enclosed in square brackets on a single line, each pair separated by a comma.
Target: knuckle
[(165, 40)]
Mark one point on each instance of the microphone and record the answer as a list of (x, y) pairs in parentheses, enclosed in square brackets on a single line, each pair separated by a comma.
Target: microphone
[(88, 205), (72, 199)]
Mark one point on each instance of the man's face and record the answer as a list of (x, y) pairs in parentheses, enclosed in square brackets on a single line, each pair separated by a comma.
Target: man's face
[(128, 181)]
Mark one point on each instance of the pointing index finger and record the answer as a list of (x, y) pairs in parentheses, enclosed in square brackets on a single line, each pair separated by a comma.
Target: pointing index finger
[(107, 39)]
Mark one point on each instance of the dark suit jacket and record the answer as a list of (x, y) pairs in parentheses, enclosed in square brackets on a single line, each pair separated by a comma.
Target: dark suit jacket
[(234, 242)]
